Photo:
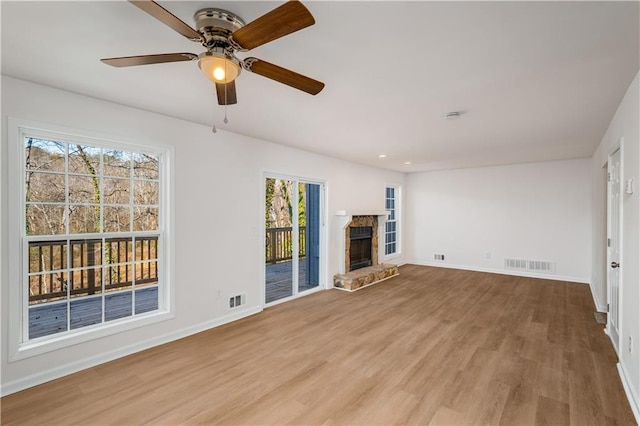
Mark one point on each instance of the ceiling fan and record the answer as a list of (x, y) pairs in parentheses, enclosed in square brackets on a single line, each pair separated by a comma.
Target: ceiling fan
[(223, 34)]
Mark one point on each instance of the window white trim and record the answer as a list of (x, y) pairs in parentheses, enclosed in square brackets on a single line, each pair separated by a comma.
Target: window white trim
[(19, 346), (398, 220)]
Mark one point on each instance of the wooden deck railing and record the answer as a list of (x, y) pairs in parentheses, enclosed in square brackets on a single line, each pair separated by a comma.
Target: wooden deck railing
[(279, 244), (51, 277)]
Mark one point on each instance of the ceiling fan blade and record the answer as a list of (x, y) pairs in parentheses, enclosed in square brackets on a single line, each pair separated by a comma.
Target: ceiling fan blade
[(228, 96), (130, 61), (167, 18), (285, 19), (283, 75)]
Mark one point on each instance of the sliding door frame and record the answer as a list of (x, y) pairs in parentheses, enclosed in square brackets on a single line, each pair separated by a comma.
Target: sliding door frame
[(322, 280)]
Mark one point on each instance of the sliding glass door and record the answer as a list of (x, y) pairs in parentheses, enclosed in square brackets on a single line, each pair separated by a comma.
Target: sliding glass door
[(309, 263), (292, 237)]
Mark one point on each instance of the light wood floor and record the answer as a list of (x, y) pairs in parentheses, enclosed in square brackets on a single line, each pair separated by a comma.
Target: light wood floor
[(432, 346)]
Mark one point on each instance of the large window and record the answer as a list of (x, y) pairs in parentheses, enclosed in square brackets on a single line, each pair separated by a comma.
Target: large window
[(92, 235), (391, 244)]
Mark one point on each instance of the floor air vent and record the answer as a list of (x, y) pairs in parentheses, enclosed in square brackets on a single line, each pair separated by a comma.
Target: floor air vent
[(239, 300), (539, 266), (517, 264)]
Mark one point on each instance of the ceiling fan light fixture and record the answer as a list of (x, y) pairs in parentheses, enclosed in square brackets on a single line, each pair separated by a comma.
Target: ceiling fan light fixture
[(218, 67), (223, 34)]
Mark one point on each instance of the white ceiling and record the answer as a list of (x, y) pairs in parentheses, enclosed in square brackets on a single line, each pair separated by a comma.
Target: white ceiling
[(535, 80)]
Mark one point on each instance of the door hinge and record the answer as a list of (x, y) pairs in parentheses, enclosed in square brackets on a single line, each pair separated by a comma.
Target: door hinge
[(608, 242), (607, 307)]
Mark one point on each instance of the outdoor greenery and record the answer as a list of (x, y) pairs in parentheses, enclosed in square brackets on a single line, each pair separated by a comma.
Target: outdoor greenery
[(278, 203), (278, 219)]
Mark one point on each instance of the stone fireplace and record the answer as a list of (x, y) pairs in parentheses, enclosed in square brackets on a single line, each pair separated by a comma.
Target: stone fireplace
[(361, 242), (360, 253), (361, 233)]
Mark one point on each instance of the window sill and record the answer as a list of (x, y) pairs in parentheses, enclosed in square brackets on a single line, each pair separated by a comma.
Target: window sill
[(82, 335), (391, 256)]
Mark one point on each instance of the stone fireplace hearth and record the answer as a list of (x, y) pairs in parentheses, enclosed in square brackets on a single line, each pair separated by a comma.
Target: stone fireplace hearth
[(361, 252)]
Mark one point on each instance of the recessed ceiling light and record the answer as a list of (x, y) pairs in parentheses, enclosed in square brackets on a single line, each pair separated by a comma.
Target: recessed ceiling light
[(406, 163), (382, 156), (453, 115)]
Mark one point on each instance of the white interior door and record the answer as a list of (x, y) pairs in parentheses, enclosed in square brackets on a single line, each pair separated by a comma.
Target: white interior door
[(614, 243)]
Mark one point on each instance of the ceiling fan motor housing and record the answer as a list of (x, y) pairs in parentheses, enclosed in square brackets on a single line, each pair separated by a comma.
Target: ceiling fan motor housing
[(216, 25)]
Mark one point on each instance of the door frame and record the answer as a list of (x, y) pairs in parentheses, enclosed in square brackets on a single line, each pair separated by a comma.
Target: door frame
[(322, 284), (615, 341)]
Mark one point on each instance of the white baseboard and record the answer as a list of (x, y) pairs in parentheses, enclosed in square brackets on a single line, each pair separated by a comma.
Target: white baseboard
[(83, 364), (436, 264), (632, 395), (600, 307)]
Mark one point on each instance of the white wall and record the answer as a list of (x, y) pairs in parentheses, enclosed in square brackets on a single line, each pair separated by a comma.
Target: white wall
[(625, 127), (218, 197), (538, 211)]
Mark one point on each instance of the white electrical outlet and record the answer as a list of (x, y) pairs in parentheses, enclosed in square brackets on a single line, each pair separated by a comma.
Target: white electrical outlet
[(630, 344), (487, 255)]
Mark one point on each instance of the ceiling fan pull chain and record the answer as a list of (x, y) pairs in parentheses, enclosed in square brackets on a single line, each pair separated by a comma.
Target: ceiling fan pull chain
[(214, 130)]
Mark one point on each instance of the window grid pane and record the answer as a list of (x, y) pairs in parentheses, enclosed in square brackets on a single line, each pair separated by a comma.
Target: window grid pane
[(390, 237), (74, 281)]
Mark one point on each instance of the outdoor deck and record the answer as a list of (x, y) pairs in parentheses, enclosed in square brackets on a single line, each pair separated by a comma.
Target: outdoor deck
[(51, 318), (278, 279)]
